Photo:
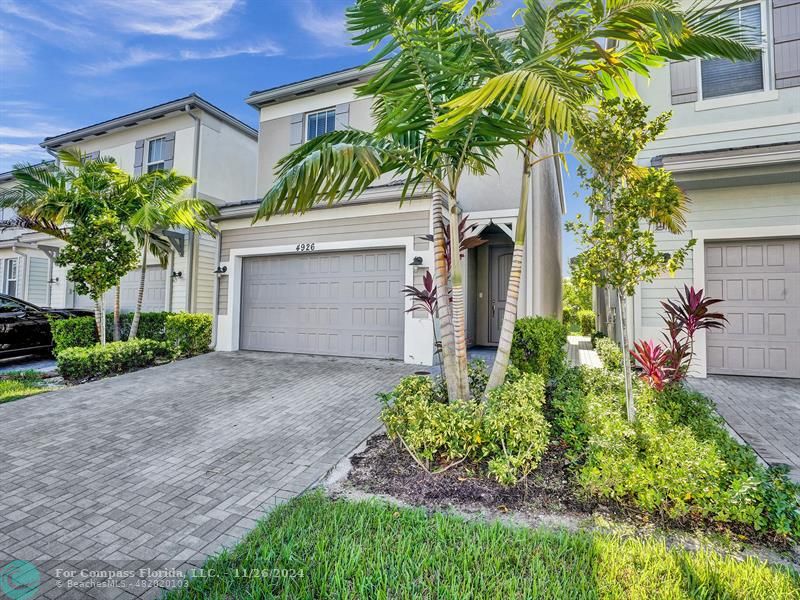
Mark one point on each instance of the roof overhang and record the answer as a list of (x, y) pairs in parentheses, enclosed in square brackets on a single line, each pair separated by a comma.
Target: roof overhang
[(190, 102), (315, 85)]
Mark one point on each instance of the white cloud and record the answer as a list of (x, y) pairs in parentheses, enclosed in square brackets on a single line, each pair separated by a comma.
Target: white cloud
[(329, 28), (11, 154), (13, 54), (187, 19), (136, 57)]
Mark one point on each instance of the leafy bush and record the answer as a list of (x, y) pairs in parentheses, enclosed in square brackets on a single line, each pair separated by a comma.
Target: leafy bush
[(79, 363), (509, 432), (586, 320), (676, 458), (152, 325), (597, 335), (188, 333), (610, 353), (538, 346), (432, 431), (515, 429), (73, 332)]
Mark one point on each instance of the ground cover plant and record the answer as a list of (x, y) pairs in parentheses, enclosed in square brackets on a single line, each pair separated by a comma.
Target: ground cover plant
[(676, 460), (314, 547), (19, 384)]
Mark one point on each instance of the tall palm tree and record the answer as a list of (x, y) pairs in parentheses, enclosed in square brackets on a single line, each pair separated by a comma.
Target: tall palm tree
[(154, 203), (564, 57), (426, 61)]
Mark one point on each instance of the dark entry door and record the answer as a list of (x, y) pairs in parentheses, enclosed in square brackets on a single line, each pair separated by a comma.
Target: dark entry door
[(500, 258)]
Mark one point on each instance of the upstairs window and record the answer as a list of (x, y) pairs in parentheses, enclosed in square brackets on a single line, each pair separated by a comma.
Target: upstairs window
[(721, 77), (155, 154), (320, 122), (10, 277)]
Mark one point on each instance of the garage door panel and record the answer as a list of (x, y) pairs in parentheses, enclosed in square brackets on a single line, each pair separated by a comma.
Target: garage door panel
[(342, 303), (759, 283)]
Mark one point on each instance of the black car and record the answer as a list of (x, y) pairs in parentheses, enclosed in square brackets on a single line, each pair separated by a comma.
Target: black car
[(24, 327)]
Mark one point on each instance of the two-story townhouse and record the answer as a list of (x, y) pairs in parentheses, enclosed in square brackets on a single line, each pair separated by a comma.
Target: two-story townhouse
[(189, 135), (330, 281), (733, 145)]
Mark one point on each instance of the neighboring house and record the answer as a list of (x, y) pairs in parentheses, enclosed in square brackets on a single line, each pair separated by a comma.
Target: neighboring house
[(734, 146), (329, 281), (189, 135)]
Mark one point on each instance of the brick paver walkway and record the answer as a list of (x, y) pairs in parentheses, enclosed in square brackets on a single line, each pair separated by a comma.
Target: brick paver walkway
[(764, 411), (160, 468)]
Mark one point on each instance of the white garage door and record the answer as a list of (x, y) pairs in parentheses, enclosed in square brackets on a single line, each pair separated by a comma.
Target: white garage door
[(759, 281), (335, 303), (155, 286)]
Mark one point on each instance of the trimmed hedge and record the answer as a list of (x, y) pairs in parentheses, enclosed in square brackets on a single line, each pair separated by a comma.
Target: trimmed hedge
[(188, 333), (80, 363), (586, 320), (81, 331), (539, 347), (610, 353)]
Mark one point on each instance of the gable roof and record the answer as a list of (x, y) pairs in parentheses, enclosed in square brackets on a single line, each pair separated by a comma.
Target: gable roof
[(154, 112)]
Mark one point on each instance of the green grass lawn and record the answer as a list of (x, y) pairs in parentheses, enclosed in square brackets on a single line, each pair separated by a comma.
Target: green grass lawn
[(313, 547), (19, 385)]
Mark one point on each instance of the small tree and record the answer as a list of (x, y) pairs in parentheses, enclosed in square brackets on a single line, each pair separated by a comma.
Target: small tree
[(575, 297), (627, 203), (97, 255)]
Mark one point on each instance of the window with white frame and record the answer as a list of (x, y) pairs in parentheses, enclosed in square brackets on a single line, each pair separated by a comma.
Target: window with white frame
[(10, 276), (721, 77), (317, 123), (156, 154)]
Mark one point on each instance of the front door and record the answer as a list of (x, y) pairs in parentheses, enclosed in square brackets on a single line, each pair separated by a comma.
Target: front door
[(500, 258)]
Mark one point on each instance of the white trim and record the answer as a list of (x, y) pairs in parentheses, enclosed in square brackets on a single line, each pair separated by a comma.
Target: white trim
[(766, 63), (699, 268), (737, 100), (417, 335), (314, 113)]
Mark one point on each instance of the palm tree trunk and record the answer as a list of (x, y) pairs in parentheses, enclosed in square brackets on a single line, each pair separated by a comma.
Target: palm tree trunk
[(449, 362), (503, 356), (457, 284), (140, 297), (117, 292), (626, 361)]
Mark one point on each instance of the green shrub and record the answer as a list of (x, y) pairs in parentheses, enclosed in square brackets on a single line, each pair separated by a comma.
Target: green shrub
[(433, 432), (73, 332), (189, 333), (79, 363), (597, 335), (676, 459), (152, 325), (586, 321), (509, 432), (539, 347), (610, 353), (515, 429)]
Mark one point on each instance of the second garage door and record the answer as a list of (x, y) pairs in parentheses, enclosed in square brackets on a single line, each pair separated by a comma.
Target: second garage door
[(759, 283), (336, 303)]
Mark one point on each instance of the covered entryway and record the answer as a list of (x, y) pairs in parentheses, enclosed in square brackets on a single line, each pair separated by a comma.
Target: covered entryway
[(759, 281), (347, 303)]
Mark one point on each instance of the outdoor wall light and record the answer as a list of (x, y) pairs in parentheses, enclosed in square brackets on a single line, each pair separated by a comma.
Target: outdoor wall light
[(220, 270), (176, 274), (52, 280), (416, 262)]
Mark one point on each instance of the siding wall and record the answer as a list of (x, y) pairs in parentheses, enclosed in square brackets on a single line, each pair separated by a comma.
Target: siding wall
[(722, 208), (206, 260), (38, 275)]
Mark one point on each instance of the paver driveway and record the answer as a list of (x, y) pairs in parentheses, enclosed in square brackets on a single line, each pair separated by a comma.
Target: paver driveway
[(764, 411), (162, 467)]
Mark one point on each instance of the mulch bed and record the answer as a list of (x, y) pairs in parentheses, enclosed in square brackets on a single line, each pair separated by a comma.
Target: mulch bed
[(384, 467)]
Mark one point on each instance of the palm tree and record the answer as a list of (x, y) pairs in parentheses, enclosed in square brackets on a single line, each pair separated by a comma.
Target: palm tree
[(565, 56), (426, 61), (153, 204)]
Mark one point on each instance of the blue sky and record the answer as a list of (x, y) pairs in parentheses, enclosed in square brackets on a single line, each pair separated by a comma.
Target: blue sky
[(64, 65)]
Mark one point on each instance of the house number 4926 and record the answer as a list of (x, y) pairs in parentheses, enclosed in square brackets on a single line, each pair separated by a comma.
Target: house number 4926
[(305, 247)]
